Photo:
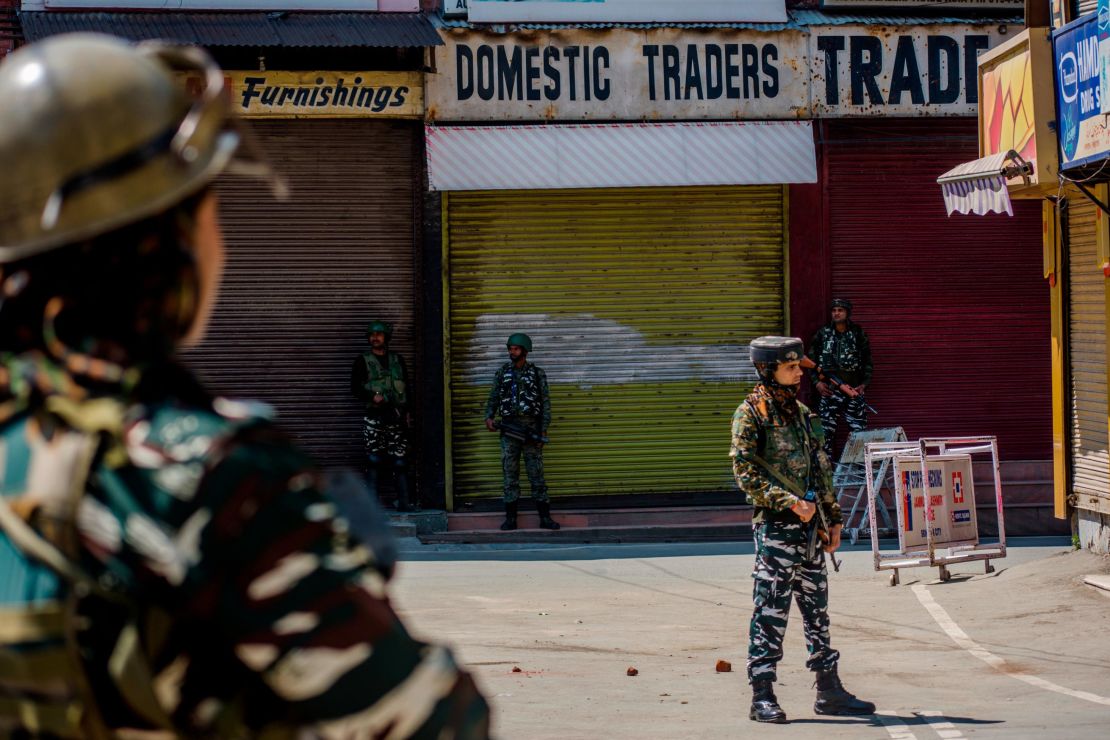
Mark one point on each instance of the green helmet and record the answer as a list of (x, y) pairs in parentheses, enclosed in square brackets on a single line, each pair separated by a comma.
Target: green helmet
[(520, 340), (773, 350), (103, 135), (383, 326)]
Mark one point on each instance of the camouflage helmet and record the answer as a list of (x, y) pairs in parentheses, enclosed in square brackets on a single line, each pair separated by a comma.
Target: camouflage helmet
[(521, 340), (378, 325), (770, 351), (841, 303), (103, 135)]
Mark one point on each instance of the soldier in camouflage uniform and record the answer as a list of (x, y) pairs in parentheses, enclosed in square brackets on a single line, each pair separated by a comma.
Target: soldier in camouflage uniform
[(779, 464), (173, 566), (380, 380), (841, 348), (519, 395)]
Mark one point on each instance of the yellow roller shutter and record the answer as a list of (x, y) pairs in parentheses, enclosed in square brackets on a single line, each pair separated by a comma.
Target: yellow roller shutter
[(1090, 468), (640, 303)]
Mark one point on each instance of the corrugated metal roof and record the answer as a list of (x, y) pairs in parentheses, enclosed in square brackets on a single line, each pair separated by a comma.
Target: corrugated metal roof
[(800, 20), (245, 29)]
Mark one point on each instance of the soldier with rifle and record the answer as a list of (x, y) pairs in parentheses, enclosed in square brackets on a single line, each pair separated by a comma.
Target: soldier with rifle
[(842, 353), (173, 565), (519, 396), (780, 465), (379, 379)]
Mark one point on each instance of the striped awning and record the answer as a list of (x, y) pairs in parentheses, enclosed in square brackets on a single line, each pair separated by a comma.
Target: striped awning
[(620, 155), (979, 186)]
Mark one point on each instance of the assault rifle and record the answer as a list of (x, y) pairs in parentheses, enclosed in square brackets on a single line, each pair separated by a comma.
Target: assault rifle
[(520, 432), (820, 529), (819, 526), (838, 385)]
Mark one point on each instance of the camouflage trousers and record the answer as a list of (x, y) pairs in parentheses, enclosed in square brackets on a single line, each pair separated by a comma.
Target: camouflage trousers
[(829, 408), (384, 437), (511, 452), (782, 573)]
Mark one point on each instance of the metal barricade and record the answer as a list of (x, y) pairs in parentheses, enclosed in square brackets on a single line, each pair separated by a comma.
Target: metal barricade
[(850, 480), (943, 516)]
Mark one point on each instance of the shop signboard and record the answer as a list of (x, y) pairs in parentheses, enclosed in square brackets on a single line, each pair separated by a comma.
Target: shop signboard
[(951, 494), (687, 74), (284, 94), (1081, 125)]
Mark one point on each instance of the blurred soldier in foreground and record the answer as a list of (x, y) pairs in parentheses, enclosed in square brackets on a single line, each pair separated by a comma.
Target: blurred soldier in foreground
[(519, 395), (380, 380), (171, 564), (779, 463), (841, 350)]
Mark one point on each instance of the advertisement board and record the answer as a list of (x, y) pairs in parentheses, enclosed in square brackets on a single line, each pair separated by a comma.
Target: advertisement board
[(952, 496), (1081, 125)]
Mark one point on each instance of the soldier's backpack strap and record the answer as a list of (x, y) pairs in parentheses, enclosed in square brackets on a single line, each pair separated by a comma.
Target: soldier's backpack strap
[(42, 686), (49, 688), (788, 484)]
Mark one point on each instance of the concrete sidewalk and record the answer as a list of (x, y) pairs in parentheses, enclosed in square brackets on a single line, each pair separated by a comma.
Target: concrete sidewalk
[(1008, 654)]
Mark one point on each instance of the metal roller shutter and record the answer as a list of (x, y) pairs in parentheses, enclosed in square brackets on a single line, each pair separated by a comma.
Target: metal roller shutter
[(304, 276), (1090, 466), (640, 303), (956, 308)]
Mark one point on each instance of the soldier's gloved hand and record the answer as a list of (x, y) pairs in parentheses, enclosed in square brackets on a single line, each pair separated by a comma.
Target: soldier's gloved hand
[(804, 509)]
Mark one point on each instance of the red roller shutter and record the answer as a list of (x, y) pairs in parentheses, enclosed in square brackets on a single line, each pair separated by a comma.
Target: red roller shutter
[(956, 308), (304, 276)]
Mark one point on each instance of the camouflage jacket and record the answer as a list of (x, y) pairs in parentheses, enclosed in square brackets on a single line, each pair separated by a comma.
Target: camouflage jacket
[(369, 378), (791, 446), (520, 392), (226, 593), (846, 354)]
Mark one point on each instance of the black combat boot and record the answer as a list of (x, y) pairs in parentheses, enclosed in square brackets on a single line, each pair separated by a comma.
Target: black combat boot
[(546, 522), (833, 698), (510, 517), (765, 707)]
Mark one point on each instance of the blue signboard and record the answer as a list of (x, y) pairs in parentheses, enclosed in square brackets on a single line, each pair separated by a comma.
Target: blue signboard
[(1081, 126)]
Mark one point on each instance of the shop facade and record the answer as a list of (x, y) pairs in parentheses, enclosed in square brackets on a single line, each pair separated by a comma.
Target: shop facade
[(335, 102), (642, 289)]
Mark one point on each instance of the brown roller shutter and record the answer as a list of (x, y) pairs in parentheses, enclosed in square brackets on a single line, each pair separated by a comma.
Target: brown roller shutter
[(304, 276), (956, 308), (1086, 290)]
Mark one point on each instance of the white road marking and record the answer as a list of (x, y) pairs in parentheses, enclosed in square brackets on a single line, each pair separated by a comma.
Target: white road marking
[(960, 638), (895, 727), (941, 725)]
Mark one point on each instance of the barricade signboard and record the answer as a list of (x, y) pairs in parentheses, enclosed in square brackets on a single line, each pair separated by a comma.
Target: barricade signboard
[(952, 496), (934, 496)]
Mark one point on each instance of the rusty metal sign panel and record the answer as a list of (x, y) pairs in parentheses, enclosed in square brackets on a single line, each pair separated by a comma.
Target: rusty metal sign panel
[(892, 71), (685, 74), (325, 94), (933, 5)]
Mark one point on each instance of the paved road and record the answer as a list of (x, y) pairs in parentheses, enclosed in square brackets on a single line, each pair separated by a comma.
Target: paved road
[(1020, 653)]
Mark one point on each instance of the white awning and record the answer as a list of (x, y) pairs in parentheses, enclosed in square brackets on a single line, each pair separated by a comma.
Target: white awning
[(979, 186), (620, 155)]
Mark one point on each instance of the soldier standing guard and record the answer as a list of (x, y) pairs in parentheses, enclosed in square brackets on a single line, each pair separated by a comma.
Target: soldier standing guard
[(841, 348), (779, 464), (173, 565), (380, 380), (519, 394)]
